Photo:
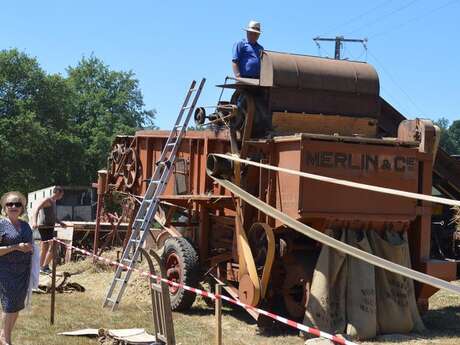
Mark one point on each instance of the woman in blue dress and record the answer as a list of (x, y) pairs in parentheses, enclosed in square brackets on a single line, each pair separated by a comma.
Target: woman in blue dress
[(15, 260)]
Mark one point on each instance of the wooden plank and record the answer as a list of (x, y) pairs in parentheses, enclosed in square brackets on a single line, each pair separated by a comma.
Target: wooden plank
[(203, 233), (218, 313), (223, 220), (289, 123)]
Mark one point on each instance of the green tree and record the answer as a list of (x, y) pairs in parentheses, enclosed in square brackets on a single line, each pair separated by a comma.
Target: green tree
[(34, 109), (106, 103), (450, 135), (58, 130), (454, 134)]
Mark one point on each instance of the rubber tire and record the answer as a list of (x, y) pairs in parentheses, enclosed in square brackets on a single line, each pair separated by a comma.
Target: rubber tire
[(183, 300)]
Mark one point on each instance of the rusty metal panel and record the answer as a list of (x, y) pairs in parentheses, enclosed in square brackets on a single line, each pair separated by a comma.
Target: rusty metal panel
[(309, 72), (288, 155), (324, 102), (193, 152), (301, 83), (392, 167)]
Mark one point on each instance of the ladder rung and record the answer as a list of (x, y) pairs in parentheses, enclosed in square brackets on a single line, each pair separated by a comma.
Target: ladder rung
[(127, 260), (133, 240), (111, 300), (152, 180), (171, 144), (167, 162), (121, 280)]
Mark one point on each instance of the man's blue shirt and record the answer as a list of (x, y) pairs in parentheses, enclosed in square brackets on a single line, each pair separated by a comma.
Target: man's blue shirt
[(247, 56)]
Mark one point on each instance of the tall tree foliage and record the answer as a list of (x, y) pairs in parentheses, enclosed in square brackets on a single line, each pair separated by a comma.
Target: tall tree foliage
[(450, 135), (58, 130), (106, 103)]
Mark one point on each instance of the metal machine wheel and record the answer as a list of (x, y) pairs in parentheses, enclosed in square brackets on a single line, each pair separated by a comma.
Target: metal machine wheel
[(295, 290), (245, 103), (131, 167), (115, 158), (258, 242), (182, 266)]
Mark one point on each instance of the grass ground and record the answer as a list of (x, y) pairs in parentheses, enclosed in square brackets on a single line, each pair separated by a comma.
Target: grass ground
[(83, 310)]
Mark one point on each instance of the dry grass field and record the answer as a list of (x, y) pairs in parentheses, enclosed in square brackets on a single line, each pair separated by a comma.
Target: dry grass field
[(83, 310)]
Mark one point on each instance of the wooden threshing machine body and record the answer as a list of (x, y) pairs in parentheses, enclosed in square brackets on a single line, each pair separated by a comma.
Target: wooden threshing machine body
[(324, 117)]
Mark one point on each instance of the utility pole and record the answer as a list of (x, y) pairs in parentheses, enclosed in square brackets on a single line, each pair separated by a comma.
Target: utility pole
[(338, 43)]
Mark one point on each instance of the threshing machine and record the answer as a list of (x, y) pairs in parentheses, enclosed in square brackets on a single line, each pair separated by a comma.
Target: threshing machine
[(305, 113)]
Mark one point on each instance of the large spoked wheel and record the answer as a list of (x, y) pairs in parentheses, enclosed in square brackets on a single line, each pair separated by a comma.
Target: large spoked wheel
[(182, 266), (131, 168)]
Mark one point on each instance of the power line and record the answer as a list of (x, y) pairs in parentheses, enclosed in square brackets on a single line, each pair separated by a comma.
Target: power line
[(379, 19), (413, 19), (353, 19), (395, 82), (396, 99), (338, 43), (348, 52)]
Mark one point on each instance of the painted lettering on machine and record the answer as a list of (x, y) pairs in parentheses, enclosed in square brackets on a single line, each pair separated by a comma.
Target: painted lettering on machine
[(360, 161)]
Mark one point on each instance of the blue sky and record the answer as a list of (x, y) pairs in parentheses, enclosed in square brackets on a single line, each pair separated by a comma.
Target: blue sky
[(413, 44)]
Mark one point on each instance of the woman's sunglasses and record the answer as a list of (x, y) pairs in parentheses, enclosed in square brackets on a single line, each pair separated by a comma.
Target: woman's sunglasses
[(15, 204)]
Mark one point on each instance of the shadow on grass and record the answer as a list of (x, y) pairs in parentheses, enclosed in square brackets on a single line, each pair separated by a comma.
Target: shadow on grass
[(443, 322), (440, 323), (236, 312), (266, 325)]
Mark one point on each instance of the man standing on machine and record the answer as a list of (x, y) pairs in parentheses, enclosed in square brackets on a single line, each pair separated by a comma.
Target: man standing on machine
[(247, 53)]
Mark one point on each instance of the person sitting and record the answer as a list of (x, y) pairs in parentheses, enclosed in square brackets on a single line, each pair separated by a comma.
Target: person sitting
[(247, 53)]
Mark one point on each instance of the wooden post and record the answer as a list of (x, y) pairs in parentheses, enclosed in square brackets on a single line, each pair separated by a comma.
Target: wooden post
[(101, 185), (219, 314), (53, 281)]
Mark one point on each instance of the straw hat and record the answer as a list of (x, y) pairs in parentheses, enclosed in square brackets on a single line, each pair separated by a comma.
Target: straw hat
[(17, 195), (253, 26)]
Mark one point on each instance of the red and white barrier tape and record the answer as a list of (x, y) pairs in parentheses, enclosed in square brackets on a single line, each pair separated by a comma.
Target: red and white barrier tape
[(213, 296)]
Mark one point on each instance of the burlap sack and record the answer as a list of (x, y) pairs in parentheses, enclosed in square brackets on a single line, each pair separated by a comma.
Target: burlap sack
[(326, 305), (361, 302), (395, 297), (419, 326)]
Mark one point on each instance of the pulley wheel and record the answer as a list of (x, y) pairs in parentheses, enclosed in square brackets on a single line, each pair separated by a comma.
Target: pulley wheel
[(246, 290), (200, 115)]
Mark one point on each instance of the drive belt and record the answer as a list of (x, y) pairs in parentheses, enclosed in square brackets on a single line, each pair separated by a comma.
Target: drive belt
[(249, 292), (347, 183), (336, 244)]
